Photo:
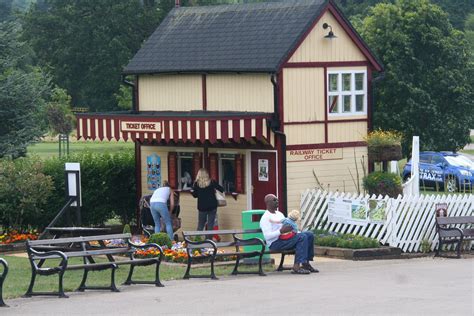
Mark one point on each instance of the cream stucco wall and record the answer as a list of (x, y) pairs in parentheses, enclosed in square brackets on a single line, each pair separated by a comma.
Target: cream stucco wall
[(332, 174), (170, 92), (304, 134), (347, 132), (316, 48), (303, 96), (239, 92)]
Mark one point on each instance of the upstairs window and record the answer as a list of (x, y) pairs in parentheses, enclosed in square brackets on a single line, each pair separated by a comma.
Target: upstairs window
[(347, 93)]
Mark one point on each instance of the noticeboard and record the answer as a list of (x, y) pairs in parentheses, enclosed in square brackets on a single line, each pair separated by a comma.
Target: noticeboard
[(356, 211)]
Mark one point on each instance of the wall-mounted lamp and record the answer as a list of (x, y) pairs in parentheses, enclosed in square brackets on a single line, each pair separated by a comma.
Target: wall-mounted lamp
[(331, 33)]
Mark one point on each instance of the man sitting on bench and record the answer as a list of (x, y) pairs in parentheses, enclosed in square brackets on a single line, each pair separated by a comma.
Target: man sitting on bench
[(303, 242)]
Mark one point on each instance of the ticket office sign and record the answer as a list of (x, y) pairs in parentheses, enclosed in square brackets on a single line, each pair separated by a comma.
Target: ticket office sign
[(314, 154), (147, 127)]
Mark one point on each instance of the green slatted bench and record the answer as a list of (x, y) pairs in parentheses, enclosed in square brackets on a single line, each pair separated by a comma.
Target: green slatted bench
[(84, 248), (237, 243), (449, 234)]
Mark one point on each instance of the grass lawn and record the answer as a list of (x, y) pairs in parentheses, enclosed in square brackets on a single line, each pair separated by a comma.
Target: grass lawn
[(50, 149), (469, 152), (19, 275)]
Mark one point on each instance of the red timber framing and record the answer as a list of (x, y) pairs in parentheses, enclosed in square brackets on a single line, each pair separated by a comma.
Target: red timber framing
[(184, 129)]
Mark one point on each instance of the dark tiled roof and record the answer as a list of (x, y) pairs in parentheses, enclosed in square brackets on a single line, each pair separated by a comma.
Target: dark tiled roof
[(247, 37), (190, 114)]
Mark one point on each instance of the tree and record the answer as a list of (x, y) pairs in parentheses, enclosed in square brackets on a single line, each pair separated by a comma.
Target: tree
[(426, 91), (58, 112), (23, 90), (86, 44), (469, 29), (457, 10)]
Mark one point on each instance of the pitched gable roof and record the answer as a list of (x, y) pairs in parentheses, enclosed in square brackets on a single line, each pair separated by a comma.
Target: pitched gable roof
[(255, 37)]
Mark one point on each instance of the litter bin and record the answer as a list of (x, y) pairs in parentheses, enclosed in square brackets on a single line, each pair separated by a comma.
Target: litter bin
[(251, 220)]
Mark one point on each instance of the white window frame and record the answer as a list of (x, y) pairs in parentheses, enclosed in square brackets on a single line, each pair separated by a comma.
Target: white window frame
[(351, 93)]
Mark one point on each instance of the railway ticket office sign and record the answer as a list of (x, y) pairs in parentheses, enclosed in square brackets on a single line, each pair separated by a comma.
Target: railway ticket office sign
[(315, 154)]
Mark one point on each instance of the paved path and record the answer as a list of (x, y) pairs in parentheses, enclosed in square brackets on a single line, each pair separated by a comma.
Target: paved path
[(423, 286)]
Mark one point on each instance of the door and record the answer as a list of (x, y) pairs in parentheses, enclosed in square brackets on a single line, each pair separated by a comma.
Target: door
[(264, 177)]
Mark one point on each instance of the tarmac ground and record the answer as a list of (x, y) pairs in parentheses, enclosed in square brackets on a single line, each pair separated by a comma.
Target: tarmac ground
[(421, 286)]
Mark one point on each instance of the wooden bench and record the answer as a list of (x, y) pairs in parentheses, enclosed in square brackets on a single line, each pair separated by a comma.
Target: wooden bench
[(3, 262), (448, 234), (87, 251), (239, 252)]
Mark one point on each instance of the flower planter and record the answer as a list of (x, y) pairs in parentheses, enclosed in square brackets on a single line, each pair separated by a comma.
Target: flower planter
[(385, 153), (13, 247), (359, 254)]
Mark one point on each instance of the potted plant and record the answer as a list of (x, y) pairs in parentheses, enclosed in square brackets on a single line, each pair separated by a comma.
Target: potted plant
[(383, 183), (384, 145)]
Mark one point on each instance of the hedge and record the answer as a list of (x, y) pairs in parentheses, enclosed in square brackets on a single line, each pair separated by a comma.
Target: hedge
[(36, 190), (24, 192), (107, 184), (332, 239)]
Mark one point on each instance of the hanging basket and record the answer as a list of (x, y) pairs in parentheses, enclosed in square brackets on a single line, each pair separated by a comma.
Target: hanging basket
[(385, 153)]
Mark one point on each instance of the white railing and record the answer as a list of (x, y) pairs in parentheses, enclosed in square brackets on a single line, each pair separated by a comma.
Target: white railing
[(410, 220)]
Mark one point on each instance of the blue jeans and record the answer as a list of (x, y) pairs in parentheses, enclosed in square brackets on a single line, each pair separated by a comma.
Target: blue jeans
[(208, 217), (158, 210), (303, 243)]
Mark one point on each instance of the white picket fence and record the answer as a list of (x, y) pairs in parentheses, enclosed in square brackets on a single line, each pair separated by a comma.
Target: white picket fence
[(410, 219)]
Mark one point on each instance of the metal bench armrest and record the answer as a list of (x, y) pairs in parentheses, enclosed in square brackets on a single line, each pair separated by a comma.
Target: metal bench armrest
[(150, 245), (202, 243), (4, 263), (47, 254), (249, 242)]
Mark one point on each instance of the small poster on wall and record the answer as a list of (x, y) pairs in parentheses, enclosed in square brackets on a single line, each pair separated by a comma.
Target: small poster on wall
[(263, 170), (153, 169)]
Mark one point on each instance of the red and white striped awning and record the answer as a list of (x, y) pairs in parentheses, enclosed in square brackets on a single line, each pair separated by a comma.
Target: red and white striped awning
[(251, 129)]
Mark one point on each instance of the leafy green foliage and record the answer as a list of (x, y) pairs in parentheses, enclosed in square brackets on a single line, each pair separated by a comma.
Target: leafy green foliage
[(427, 90), (124, 98), (85, 44), (23, 90), (383, 183), (59, 112), (331, 239), (24, 192), (107, 182), (383, 138), (161, 239), (127, 229), (469, 30)]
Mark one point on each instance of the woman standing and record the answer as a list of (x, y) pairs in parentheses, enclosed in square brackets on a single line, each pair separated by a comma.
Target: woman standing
[(159, 208), (204, 189)]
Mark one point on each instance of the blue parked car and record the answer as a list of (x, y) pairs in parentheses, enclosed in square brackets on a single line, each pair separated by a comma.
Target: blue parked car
[(444, 170)]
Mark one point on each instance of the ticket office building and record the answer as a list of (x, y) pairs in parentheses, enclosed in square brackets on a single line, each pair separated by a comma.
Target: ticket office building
[(260, 94)]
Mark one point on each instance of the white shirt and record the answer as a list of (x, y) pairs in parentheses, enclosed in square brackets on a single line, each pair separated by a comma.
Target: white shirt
[(161, 195), (271, 231)]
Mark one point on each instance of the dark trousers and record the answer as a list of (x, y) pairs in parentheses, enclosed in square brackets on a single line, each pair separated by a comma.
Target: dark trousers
[(208, 217), (303, 243)]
